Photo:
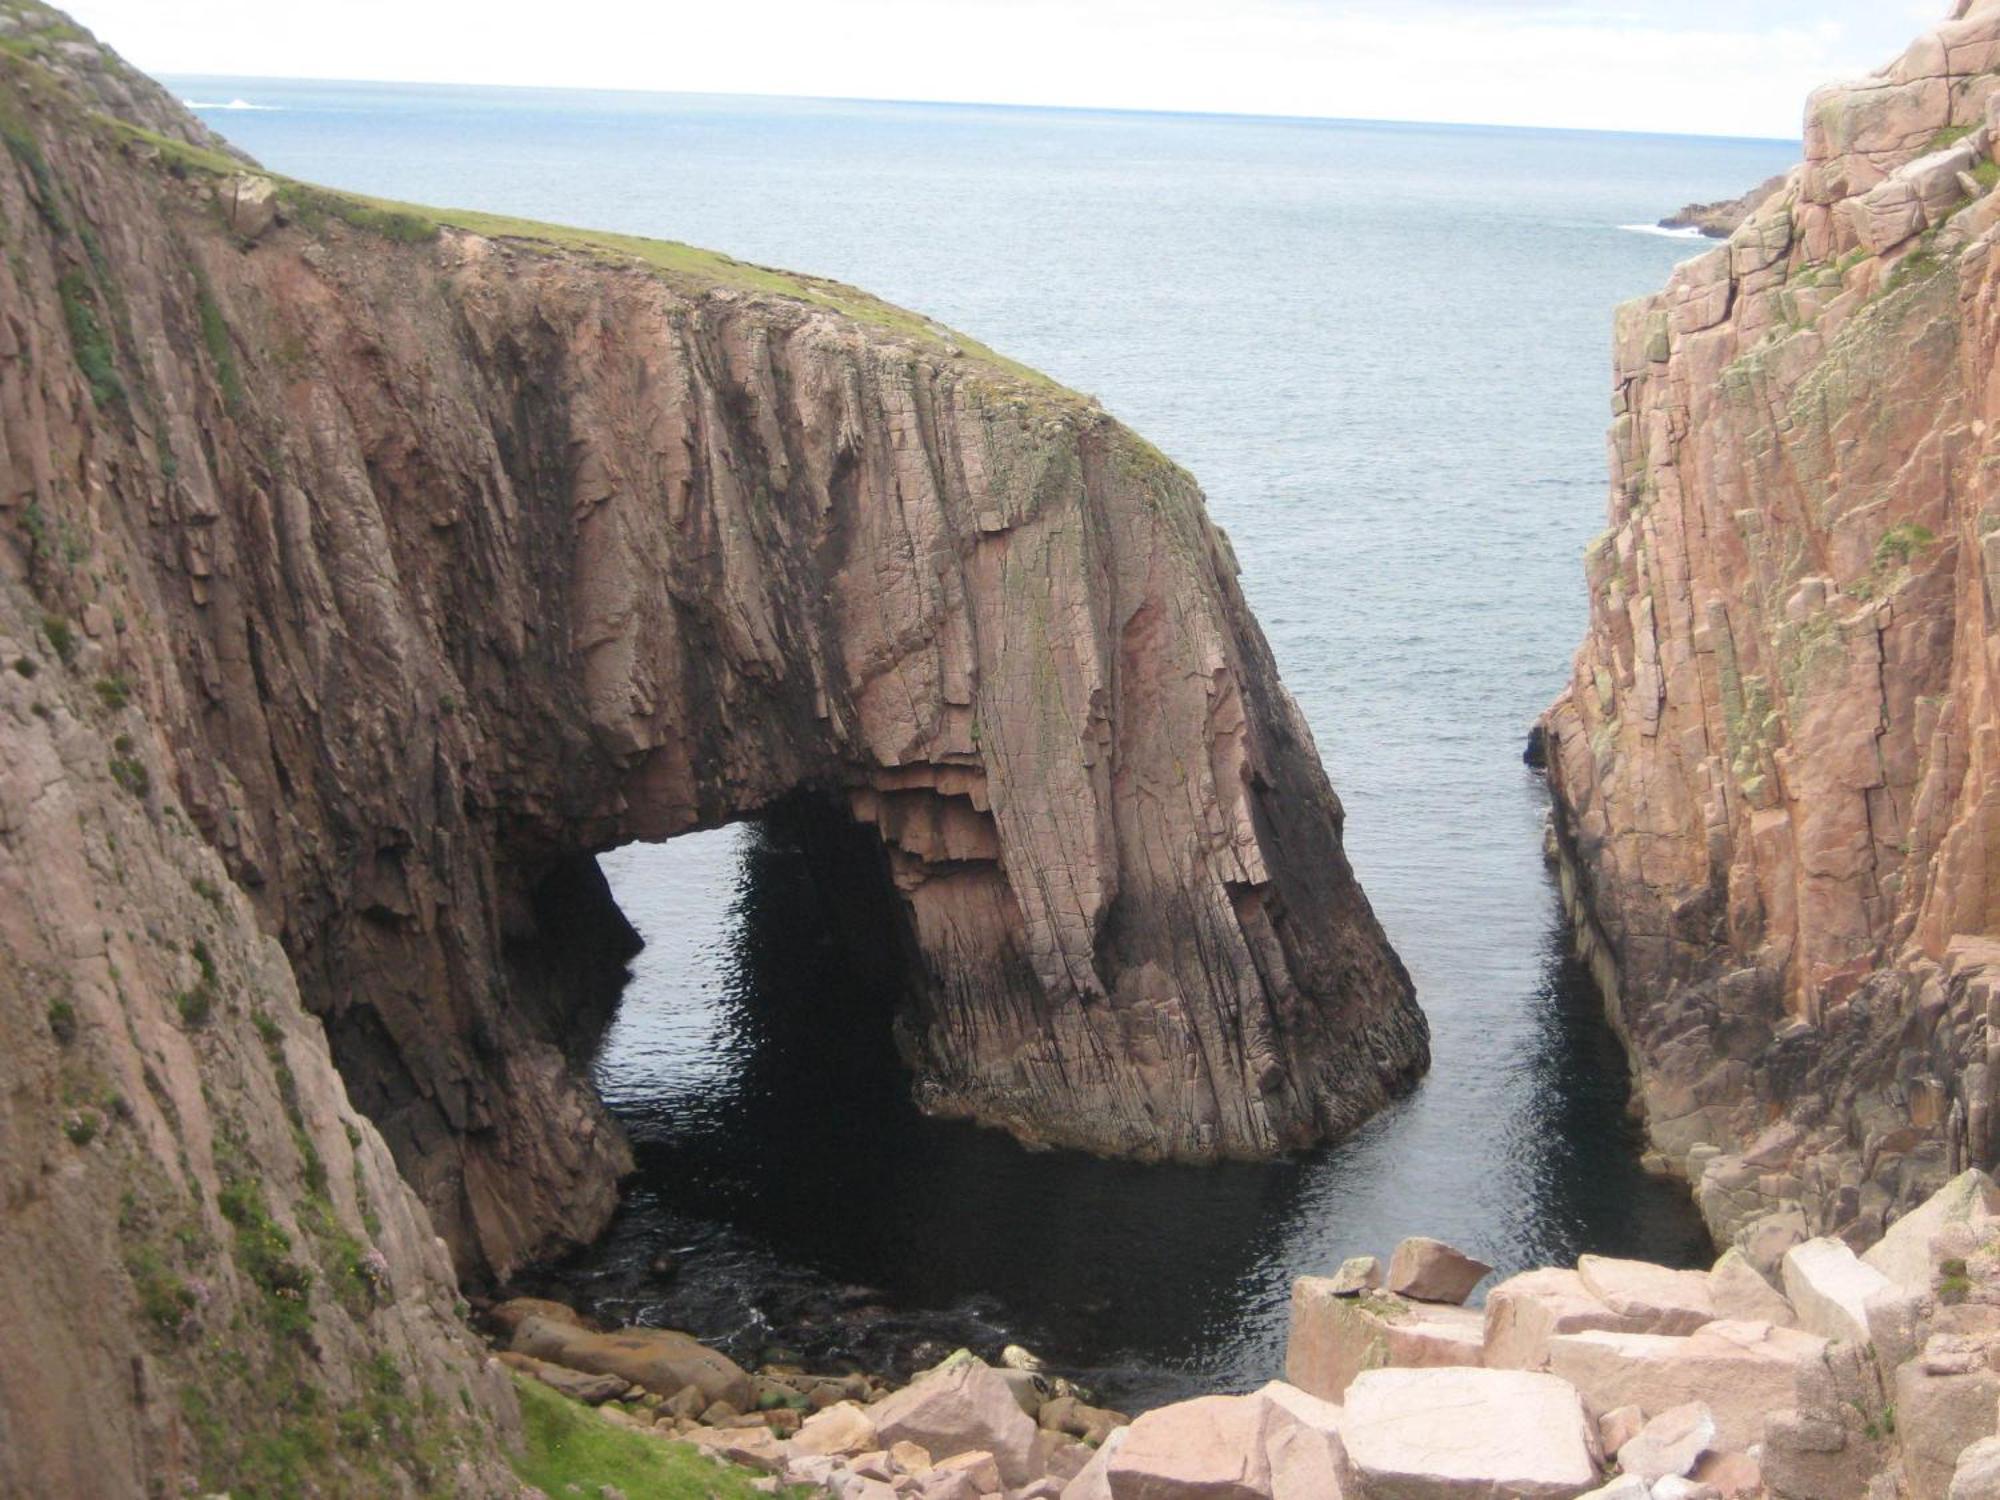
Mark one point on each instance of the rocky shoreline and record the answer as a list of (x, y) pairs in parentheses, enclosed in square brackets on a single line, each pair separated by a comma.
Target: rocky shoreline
[(1793, 1369)]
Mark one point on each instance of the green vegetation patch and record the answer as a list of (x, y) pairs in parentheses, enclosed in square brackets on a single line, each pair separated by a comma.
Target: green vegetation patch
[(568, 1444), (264, 1252), (61, 637), (313, 206), (1902, 542), (215, 338), (89, 342)]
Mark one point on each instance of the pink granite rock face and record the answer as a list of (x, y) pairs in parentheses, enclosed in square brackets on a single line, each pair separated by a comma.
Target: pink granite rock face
[(360, 582), (476, 556), (1773, 766)]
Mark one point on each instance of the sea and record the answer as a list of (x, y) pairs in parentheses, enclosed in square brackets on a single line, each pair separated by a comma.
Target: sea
[(1383, 350)]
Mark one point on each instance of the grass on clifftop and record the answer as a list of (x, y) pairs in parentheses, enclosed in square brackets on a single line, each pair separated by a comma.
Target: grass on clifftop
[(411, 223), (568, 1444)]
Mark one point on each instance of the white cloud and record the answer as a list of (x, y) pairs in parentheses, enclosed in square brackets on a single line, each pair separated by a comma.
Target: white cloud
[(1718, 66)]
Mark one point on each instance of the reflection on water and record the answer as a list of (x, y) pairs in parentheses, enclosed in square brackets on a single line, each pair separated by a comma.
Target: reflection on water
[(810, 1207)]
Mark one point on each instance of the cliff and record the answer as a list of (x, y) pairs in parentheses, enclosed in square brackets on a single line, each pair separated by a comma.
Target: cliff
[(1721, 219), (1774, 768), (366, 570)]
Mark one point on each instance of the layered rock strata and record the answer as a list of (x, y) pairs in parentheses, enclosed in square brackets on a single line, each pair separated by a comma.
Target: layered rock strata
[(364, 574), (1774, 768)]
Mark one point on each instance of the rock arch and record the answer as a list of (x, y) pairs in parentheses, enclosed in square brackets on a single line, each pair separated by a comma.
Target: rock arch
[(468, 556)]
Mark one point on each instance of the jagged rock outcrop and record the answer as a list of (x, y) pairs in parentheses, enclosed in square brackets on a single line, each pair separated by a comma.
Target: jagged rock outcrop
[(1721, 219), (364, 574), (1774, 768)]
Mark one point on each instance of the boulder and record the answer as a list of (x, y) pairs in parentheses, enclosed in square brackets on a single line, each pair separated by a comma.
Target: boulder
[(1278, 1443), (1094, 1483), (1302, 1444), (1447, 1433), (1671, 1443), (250, 204), (591, 1390), (961, 1406), (751, 1447), (975, 1464), (1429, 1270), (1743, 1371), (1068, 1415), (1740, 1292), (1977, 1474), (1524, 1312), (944, 1484), (1653, 1299), (1903, 1254), (1618, 1427), (1335, 1337), (1029, 1389), (1937, 1418), (687, 1402), (1210, 1448), (1830, 1287), (840, 1430), (1357, 1274), (506, 1317), (659, 1359), (1735, 1476), (1060, 1456)]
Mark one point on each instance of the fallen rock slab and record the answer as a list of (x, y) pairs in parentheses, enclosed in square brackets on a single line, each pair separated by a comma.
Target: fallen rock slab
[(1524, 1312), (1210, 1448), (1903, 1254), (659, 1359), (1467, 1435), (963, 1406), (1278, 1443), (1335, 1337), (1740, 1292), (841, 1430), (1671, 1443), (591, 1390), (751, 1447), (1652, 1299), (1830, 1287), (1428, 1270), (1302, 1444), (1743, 1371)]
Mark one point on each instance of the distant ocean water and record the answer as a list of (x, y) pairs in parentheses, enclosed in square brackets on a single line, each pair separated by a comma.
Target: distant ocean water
[(1383, 349)]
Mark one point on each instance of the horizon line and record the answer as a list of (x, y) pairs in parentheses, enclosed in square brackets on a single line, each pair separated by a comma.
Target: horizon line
[(1084, 109)]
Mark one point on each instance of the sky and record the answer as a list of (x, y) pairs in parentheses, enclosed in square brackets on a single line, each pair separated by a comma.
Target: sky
[(1707, 67)]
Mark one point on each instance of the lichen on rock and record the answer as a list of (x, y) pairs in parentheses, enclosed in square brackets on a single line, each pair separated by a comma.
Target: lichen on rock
[(1771, 770)]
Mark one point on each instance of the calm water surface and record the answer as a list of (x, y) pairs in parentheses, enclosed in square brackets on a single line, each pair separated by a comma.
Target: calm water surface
[(1383, 349)]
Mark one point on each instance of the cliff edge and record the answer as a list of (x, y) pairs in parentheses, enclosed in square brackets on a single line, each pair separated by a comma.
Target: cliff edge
[(1774, 770), (366, 571)]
